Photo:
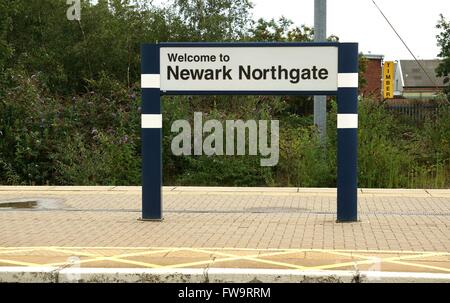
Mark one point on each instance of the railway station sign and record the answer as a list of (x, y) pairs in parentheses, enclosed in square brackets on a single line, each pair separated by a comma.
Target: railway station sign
[(250, 68)]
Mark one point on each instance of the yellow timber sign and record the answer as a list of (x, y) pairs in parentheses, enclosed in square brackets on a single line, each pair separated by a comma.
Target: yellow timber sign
[(388, 80)]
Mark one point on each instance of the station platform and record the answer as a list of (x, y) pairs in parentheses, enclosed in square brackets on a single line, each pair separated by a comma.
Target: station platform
[(245, 233)]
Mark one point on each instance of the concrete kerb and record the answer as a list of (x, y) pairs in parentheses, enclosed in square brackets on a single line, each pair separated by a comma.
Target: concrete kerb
[(212, 189), (235, 189), (29, 274), (213, 275)]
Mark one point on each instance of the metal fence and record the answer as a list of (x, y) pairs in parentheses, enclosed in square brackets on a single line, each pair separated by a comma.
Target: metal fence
[(415, 112)]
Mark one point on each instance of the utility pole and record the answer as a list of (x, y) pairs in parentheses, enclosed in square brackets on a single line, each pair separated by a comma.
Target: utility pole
[(320, 35)]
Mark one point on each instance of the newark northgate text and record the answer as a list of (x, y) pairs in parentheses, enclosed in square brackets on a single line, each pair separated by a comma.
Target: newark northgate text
[(293, 75)]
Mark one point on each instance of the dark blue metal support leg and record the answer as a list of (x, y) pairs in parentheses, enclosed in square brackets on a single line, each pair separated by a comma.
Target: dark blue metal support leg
[(151, 134), (347, 137)]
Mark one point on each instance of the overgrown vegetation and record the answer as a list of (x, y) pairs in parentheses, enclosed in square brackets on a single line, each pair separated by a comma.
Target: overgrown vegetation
[(70, 104)]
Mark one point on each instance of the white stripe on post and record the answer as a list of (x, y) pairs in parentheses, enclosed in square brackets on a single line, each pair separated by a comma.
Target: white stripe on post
[(150, 81), (349, 80), (151, 121), (347, 121)]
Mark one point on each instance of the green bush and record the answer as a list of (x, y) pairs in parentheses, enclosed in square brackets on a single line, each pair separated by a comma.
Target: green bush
[(70, 104), (88, 139), (303, 160), (109, 161), (382, 160)]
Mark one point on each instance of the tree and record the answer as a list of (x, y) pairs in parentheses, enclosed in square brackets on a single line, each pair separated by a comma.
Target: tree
[(5, 24), (281, 30), (213, 20), (443, 41), (36, 37)]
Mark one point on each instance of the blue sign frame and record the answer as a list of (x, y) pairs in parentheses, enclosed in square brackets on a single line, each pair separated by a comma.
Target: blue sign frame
[(347, 128)]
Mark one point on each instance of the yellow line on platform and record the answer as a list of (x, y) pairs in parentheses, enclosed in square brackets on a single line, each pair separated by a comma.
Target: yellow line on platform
[(16, 251), (231, 257), (225, 248), (421, 265), (13, 262), (256, 259), (227, 256), (394, 260), (204, 262), (375, 260), (72, 252), (145, 264), (116, 258)]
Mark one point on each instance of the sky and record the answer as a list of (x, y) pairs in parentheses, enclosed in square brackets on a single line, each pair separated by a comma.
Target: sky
[(360, 21)]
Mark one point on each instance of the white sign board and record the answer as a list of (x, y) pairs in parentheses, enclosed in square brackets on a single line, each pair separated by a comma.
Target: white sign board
[(249, 68)]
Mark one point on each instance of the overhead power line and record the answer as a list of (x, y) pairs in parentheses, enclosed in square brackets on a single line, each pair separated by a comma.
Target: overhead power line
[(404, 43)]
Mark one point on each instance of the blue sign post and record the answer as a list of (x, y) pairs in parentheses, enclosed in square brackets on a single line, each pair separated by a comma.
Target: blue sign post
[(250, 69), (347, 137), (151, 134)]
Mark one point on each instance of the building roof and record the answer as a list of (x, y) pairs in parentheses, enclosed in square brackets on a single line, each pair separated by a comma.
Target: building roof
[(373, 56), (414, 76)]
